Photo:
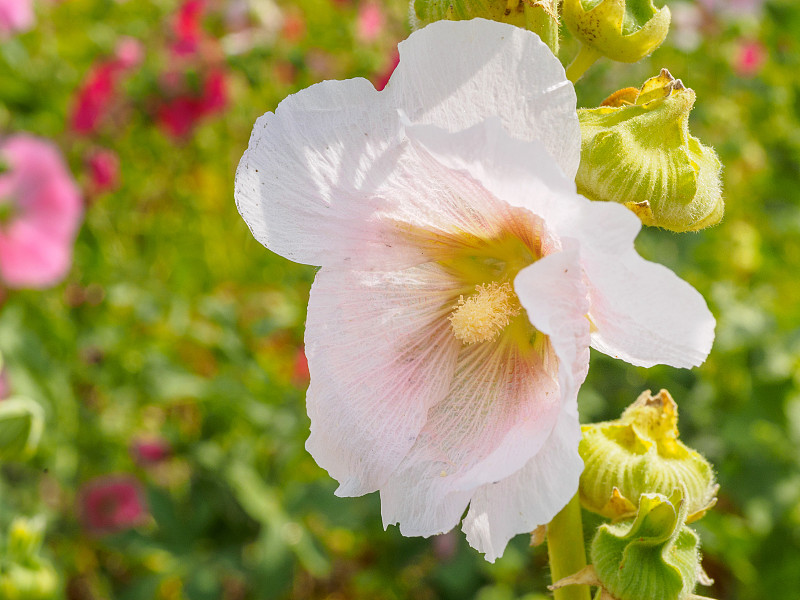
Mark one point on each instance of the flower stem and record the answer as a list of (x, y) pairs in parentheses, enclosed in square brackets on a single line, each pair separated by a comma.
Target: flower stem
[(585, 59), (566, 550), (541, 17)]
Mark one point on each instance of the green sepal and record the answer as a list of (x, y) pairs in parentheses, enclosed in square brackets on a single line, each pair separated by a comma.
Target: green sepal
[(636, 150), (622, 30), (652, 557)]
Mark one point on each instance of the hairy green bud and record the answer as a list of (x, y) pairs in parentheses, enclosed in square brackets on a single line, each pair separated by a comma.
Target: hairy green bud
[(636, 149), (622, 30), (640, 453), (539, 16)]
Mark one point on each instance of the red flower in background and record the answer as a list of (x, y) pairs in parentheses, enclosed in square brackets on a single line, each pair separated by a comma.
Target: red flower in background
[(112, 504), (194, 86), (382, 79), (150, 450), (99, 91)]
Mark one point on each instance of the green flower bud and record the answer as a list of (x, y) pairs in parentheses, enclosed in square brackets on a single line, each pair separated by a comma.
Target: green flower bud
[(640, 453), (636, 149), (622, 30), (25, 539), (21, 424), (539, 16), (652, 557), (24, 575)]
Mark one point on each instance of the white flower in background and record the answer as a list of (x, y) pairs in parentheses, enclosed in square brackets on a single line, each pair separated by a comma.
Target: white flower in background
[(462, 282)]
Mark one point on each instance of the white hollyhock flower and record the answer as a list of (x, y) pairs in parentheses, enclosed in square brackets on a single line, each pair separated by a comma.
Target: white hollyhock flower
[(462, 282)]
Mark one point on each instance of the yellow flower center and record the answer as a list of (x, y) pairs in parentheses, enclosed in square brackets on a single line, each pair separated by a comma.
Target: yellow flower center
[(482, 316)]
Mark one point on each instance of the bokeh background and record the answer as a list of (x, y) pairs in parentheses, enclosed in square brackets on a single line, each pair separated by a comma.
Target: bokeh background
[(169, 361)]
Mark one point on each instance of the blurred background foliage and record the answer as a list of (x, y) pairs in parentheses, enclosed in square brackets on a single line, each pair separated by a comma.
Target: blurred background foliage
[(170, 360)]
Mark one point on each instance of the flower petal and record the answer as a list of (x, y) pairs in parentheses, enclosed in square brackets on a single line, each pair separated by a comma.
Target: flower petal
[(313, 183), (556, 300), (455, 74), (380, 353), (642, 312), (530, 497), (502, 405), (300, 184)]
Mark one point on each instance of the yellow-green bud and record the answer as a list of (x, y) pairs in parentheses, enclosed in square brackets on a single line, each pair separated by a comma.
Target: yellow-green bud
[(622, 30), (539, 16), (21, 424), (636, 149), (640, 453), (24, 575)]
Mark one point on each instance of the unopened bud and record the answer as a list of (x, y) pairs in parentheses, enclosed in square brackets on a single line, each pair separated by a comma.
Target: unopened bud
[(636, 149), (622, 30), (539, 16), (641, 453)]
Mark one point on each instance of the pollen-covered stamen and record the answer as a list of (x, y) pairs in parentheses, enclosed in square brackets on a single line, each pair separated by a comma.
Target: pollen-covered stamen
[(482, 316)]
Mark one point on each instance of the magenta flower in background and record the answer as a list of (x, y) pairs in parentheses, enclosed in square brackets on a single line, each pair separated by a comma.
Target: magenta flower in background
[(187, 28), (111, 504), (150, 450), (41, 213), (15, 16), (462, 282), (179, 115), (99, 92), (103, 166)]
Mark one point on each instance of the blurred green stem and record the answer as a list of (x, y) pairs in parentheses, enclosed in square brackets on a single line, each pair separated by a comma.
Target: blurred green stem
[(541, 17), (585, 59), (566, 550)]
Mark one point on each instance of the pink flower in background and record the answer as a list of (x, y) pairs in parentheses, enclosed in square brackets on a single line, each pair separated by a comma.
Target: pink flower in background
[(15, 16), (751, 55), (99, 92), (129, 53), (462, 279), (150, 450), (180, 114), (42, 211), (111, 504), (370, 21), (103, 168)]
